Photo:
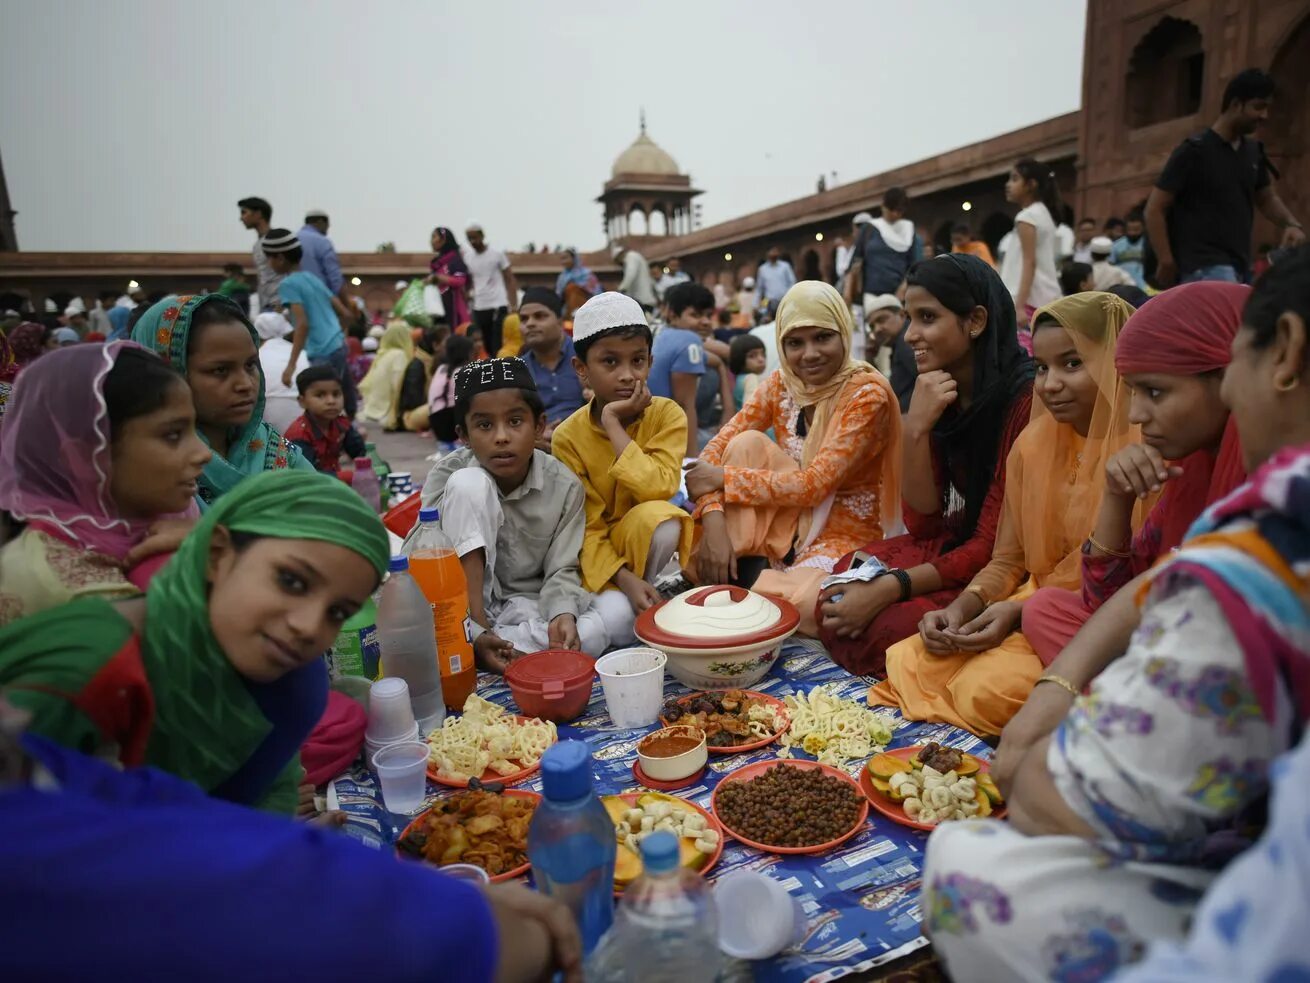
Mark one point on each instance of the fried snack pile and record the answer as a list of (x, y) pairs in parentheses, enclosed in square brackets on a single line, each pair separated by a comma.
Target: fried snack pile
[(832, 729), (479, 828), (486, 737)]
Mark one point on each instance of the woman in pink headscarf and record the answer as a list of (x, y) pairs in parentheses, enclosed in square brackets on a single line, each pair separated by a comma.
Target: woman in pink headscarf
[(98, 445), (1172, 353)]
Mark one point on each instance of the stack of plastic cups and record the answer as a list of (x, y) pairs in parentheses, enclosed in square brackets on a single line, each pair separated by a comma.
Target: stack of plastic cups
[(390, 716)]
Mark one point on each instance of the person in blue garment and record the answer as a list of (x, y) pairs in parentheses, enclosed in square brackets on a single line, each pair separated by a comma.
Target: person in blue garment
[(136, 874)]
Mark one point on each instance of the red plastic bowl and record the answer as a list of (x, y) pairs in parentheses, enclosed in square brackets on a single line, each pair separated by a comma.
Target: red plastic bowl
[(553, 685), (401, 518)]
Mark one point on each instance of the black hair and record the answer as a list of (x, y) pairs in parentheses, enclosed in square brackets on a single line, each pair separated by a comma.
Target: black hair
[(1072, 277), (623, 333), (1087, 220), (1136, 215), (1112, 221), (459, 351), (688, 294), (316, 373), (215, 310), (530, 396), (257, 205), (739, 348), (233, 269), (946, 282), (1283, 287), (1252, 83), (108, 296), (961, 228), (137, 384), (896, 199), (1130, 293), (1048, 193)]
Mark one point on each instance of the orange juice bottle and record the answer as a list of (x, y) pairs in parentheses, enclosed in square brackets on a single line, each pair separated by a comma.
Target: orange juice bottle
[(434, 564)]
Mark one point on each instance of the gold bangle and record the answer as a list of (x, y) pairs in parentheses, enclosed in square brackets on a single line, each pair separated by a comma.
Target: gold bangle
[(980, 594), (1122, 554), (1060, 681)]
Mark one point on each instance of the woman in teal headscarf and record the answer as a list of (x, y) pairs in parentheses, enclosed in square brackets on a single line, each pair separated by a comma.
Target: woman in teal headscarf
[(216, 676), (210, 341)]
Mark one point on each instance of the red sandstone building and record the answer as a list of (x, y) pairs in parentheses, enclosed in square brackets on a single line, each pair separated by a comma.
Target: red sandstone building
[(1153, 72)]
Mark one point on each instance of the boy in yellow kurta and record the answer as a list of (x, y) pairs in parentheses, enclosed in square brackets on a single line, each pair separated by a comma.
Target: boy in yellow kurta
[(626, 447)]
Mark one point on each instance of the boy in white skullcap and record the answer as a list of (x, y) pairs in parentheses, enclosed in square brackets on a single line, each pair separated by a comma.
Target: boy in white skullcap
[(626, 446)]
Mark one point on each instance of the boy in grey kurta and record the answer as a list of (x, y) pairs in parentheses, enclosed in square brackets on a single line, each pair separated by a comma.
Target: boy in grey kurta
[(515, 517)]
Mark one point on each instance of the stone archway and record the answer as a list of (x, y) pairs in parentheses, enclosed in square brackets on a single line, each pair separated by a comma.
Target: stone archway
[(1165, 74), (1287, 136), (637, 222)]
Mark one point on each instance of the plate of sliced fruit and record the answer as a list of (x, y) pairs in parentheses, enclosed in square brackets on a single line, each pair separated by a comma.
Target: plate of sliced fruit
[(929, 784), (637, 814)]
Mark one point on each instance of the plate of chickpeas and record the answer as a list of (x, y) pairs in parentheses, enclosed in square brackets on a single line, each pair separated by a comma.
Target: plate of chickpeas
[(790, 806)]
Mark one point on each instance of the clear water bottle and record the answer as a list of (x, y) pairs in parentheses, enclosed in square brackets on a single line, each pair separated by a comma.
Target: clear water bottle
[(571, 841), (409, 649), (365, 482), (666, 928)]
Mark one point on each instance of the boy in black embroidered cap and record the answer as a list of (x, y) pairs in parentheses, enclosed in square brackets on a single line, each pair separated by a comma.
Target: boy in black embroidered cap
[(515, 517)]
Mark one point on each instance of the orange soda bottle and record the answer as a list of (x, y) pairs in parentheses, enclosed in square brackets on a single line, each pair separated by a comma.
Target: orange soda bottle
[(435, 566)]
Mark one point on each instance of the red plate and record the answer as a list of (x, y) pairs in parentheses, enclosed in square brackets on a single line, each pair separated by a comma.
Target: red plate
[(748, 772), (893, 810), (509, 874), (738, 748), (631, 799), (490, 776)]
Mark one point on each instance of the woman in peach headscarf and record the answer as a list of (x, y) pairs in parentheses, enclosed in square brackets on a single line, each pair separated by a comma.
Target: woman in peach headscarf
[(827, 485), (970, 665)]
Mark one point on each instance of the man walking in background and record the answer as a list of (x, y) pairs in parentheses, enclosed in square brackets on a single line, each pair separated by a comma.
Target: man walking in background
[(773, 279), (636, 282), (320, 256), (256, 214), (1200, 212), (887, 248), (493, 287)]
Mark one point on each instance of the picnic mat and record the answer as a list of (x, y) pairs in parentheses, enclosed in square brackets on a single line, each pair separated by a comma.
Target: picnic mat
[(862, 897)]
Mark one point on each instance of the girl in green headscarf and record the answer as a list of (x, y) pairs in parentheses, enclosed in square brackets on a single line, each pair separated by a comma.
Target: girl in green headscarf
[(216, 676), (212, 343)]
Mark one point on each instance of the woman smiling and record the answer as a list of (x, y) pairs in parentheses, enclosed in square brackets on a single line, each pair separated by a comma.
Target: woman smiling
[(830, 481)]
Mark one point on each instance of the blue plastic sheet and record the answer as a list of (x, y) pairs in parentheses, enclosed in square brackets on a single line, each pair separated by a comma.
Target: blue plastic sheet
[(862, 898)]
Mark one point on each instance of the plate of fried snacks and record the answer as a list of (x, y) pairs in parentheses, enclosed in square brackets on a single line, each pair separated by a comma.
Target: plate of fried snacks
[(487, 829), (487, 742), (638, 814), (789, 806), (733, 720), (930, 784), (834, 730)]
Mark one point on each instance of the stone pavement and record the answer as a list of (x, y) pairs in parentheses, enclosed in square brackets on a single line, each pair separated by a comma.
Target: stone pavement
[(404, 451)]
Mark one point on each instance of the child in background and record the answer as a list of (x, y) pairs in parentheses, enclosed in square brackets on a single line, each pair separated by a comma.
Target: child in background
[(626, 446), (323, 431), (515, 517), (746, 358), (677, 357), (457, 352)]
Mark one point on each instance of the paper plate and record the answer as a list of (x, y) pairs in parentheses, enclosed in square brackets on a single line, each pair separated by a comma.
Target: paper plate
[(508, 875), (758, 768), (489, 776), (893, 810), (754, 745)]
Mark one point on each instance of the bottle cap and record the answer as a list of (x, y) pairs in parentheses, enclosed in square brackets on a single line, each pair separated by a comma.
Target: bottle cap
[(659, 852), (364, 463), (429, 515), (566, 771), (398, 563)]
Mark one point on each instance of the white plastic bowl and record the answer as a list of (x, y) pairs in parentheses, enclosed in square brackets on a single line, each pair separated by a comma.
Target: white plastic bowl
[(678, 766)]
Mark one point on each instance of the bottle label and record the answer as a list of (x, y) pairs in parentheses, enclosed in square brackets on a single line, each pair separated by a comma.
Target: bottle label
[(456, 665)]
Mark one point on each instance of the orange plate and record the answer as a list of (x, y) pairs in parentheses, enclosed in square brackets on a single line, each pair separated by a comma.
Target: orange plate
[(893, 810), (631, 799), (509, 875), (754, 745), (747, 772), (489, 776)]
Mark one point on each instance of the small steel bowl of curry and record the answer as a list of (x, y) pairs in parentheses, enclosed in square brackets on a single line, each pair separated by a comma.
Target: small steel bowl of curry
[(671, 754)]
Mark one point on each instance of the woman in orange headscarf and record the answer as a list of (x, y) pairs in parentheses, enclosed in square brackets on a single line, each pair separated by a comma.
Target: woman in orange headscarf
[(827, 485), (969, 665)]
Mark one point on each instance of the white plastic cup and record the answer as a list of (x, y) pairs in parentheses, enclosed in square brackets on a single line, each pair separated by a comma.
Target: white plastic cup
[(471, 873), (403, 771), (390, 714), (758, 917), (633, 681), (372, 747)]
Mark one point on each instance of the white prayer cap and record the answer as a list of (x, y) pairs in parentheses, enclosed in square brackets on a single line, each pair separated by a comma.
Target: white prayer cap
[(271, 324), (880, 302), (863, 218), (1101, 246), (402, 284), (748, 283), (369, 344), (605, 311)]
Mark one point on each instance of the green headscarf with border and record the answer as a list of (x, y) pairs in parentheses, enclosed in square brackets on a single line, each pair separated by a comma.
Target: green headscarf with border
[(166, 329), (206, 723)]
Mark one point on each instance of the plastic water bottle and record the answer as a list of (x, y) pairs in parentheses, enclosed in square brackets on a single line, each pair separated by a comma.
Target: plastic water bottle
[(666, 928), (365, 482), (409, 649), (435, 565), (571, 841)]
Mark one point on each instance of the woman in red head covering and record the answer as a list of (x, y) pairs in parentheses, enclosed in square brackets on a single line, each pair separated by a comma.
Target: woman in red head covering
[(1172, 353)]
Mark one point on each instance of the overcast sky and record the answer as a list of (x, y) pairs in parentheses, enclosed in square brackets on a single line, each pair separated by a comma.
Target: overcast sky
[(137, 124)]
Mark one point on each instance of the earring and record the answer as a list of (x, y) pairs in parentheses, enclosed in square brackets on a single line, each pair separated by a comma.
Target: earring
[(1288, 385)]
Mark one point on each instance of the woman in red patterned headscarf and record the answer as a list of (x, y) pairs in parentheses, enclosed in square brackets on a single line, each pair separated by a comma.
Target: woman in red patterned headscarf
[(1172, 353)]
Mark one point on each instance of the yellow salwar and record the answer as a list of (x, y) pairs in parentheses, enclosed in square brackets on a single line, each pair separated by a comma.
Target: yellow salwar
[(38, 571), (626, 496)]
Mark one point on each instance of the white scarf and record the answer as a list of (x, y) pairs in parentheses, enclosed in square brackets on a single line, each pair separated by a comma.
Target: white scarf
[(899, 236)]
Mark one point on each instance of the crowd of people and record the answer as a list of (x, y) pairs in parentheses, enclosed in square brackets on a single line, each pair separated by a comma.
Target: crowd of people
[(1063, 508)]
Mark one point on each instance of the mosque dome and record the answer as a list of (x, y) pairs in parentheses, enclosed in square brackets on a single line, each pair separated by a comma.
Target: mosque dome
[(644, 157)]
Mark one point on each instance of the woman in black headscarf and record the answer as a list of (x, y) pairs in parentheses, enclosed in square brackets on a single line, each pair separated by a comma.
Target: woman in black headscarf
[(971, 400), (451, 275)]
